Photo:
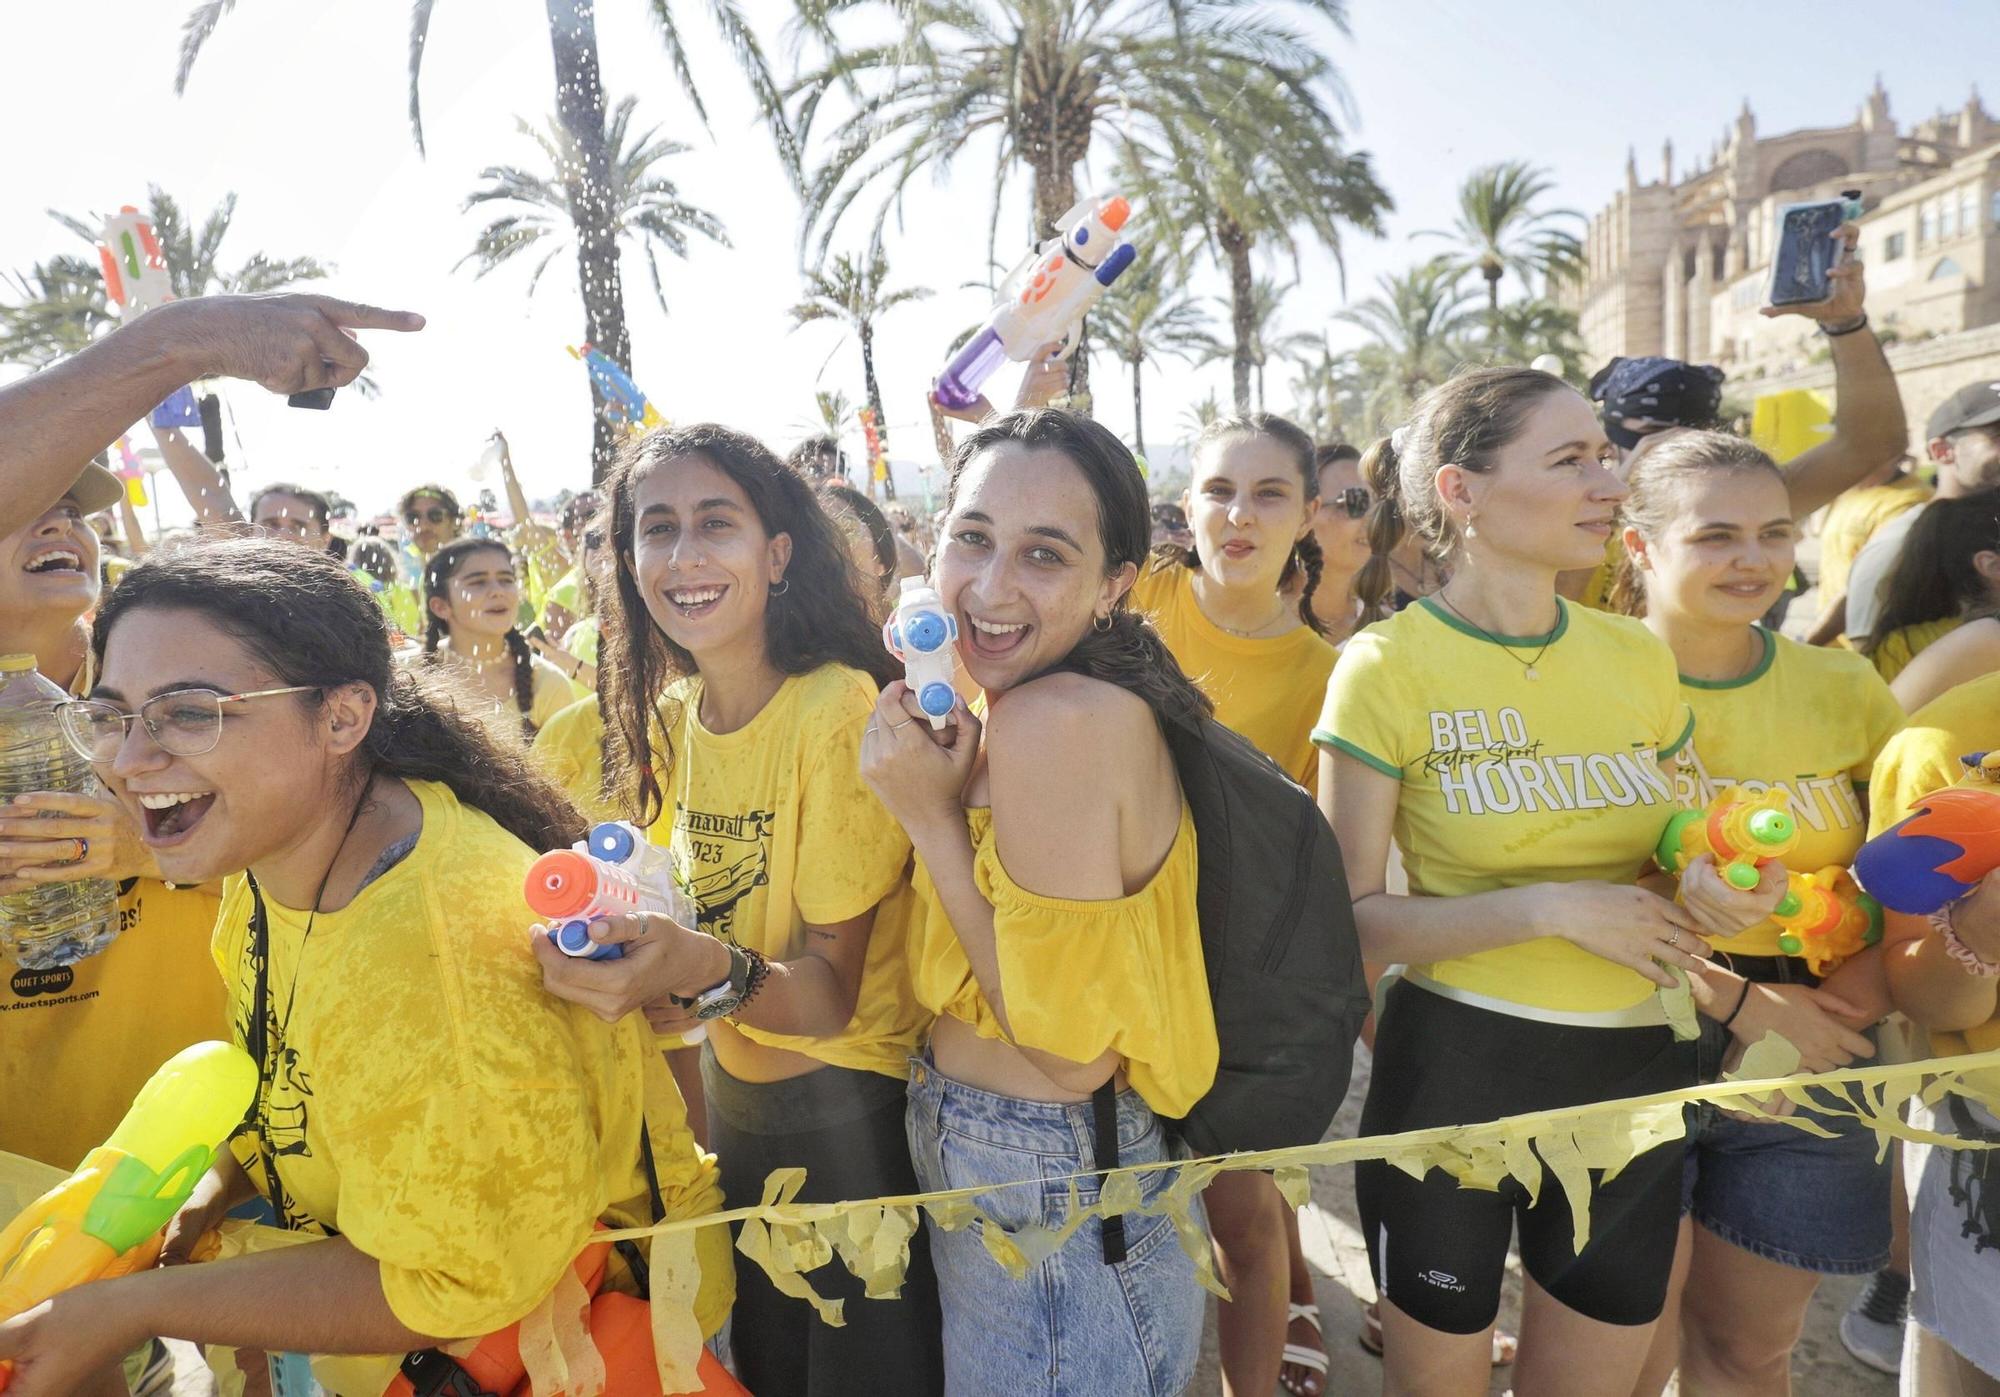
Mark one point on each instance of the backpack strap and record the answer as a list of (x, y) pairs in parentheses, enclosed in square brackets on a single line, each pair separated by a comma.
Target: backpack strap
[(1104, 1123), (634, 1258), (434, 1373)]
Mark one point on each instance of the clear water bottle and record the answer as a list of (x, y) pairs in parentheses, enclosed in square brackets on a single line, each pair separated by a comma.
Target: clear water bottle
[(55, 924)]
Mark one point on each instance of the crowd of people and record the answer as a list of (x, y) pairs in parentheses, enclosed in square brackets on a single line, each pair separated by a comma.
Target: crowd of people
[(1501, 646)]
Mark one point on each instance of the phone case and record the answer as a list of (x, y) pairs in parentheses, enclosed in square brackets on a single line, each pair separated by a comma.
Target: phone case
[(1807, 252)]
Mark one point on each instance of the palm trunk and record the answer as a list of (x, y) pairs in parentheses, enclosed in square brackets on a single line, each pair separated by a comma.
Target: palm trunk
[(1138, 410), (875, 402), (1492, 275), (1242, 308), (580, 108), (1260, 385)]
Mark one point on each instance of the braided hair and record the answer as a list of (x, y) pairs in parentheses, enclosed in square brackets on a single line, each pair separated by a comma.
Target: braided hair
[(438, 572)]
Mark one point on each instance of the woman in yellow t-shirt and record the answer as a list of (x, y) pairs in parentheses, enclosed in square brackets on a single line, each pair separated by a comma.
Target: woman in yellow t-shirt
[(449, 1132), (1052, 917), (472, 597), (740, 666), (1513, 744), (1947, 576), (1709, 542), (1229, 613)]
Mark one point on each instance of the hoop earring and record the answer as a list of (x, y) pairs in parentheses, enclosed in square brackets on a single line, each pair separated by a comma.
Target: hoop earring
[(1100, 624), (781, 586)]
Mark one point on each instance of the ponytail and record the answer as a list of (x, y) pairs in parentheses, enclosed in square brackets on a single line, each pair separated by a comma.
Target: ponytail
[(1307, 557), (524, 680), (1375, 584)]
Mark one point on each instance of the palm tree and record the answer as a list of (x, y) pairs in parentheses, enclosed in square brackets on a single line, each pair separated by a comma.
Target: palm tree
[(1416, 327), (853, 292), (61, 305), (1257, 334), (1198, 415), (1499, 229), (1523, 330), (647, 206), (1039, 82), (580, 107), (1142, 317), (836, 410)]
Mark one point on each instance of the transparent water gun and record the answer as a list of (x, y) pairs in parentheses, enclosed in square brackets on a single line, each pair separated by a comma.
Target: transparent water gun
[(1045, 297), (1938, 854), (106, 1219), (1826, 918), (922, 634), (1740, 831)]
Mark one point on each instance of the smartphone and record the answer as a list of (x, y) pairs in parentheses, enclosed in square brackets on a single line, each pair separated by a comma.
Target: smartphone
[(1801, 269)]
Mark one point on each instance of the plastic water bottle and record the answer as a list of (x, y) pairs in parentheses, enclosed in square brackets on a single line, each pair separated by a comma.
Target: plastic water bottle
[(55, 924)]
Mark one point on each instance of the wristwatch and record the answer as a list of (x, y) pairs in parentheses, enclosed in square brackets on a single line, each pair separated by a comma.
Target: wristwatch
[(725, 998)]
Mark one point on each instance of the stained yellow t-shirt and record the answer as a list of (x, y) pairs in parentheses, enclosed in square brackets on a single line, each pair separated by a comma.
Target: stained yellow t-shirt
[(569, 749), (1083, 978), (772, 828), (431, 1102), (1508, 780), (1852, 519), (1807, 719), (77, 1043), (1900, 646), (1269, 690), (1922, 758)]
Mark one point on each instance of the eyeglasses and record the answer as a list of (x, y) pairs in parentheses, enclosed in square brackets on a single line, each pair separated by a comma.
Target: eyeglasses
[(1353, 501), (185, 722), (436, 514)]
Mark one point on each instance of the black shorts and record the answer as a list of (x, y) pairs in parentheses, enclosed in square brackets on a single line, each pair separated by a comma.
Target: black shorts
[(1439, 1251)]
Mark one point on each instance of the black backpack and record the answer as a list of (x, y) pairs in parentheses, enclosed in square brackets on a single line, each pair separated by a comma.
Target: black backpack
[(1278, 941)]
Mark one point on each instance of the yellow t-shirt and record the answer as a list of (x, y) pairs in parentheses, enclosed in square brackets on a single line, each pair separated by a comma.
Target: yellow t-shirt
[(439, 1108), (569, 748), (1900, 646), (1597, 591), (77, 1043), (772, 828), (1808, 719), (1269, 690), (1922, 758), (1852, 520), (1509, 780), (1083, 977)]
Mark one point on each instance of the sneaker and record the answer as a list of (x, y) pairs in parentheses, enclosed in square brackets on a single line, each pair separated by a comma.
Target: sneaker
[(1872, 1328)]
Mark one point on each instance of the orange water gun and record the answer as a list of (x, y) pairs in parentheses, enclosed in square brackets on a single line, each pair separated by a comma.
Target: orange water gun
[(1740, 831), (1825, 917), (106, 1219)]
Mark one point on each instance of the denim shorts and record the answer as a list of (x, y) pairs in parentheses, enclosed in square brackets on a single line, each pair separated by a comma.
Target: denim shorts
[(1072, 1325), (1783, 1194)]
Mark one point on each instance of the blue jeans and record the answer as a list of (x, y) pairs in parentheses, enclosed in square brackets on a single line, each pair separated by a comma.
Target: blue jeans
[(1072, 1325)]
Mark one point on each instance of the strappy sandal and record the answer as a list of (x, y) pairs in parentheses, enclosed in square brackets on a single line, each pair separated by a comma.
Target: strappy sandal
[(1504, 1344), (1313, 1360)]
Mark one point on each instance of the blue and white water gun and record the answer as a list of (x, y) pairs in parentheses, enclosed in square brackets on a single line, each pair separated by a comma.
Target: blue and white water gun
[(922, 634)]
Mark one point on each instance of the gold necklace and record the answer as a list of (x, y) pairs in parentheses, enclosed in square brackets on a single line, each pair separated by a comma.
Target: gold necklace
[(1254, 633), (1528, 669)]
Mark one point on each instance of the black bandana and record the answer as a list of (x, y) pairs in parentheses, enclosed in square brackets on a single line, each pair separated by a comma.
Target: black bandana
[(1664, 390)]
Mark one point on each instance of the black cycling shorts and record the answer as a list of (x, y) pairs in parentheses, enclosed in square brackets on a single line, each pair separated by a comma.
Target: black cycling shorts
[(1439, 1251)]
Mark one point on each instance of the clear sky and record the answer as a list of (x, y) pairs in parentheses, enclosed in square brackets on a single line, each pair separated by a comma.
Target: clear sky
[(300, 109)]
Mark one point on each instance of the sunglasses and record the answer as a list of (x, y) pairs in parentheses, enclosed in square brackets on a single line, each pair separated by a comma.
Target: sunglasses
[(436, 514), (185, 722), (1353, 501)]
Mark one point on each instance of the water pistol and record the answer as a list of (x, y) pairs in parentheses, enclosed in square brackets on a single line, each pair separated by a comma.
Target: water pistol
[(1826, 918), (615, 870), (921, 633), (623, 402), (1939, 853), (106, 1219), (1045, 297), (1740, 831)]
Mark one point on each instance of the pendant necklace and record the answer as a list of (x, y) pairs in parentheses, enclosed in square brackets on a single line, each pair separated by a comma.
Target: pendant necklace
[(1527, 666)]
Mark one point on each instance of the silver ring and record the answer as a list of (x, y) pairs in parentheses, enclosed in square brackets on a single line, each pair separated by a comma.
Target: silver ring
[(904, 724), (1674, 941)]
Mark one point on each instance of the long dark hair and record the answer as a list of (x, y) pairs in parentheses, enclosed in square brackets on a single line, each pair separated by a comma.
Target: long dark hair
[(1464, 421), (1129, 653), (838, 497), (438, 572), (821, 617), (1936, 574), (310, 623), (1305, 556)]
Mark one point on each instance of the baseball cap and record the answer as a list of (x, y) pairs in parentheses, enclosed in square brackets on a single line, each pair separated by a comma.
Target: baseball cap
[(1975, 405), (96, 489)]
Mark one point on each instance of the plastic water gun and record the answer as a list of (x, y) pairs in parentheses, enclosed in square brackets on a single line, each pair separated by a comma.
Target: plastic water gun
[(1740, 831), (1825, 918), (616, 390), (1045, 297), (135, 270), (1940, 852), (614, 871), (921, 633), (105, 1219)]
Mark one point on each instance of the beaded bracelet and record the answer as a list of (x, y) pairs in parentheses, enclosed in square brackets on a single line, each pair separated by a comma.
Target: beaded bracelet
[(1969, 960)]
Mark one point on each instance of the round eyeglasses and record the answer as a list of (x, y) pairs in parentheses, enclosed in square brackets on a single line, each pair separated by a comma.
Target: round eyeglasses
[(184, 722)]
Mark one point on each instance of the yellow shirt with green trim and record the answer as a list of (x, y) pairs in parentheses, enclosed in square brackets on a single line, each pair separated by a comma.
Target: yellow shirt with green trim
[(772, 828), (432, 1103), (1922, 758), (1808, 720), (1269, 690), (77, 1042), (1508, 780), (1852, 519)]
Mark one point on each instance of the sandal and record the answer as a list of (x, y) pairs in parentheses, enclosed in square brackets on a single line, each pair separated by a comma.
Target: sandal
[(1312, 1359), (1504, 1344)]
